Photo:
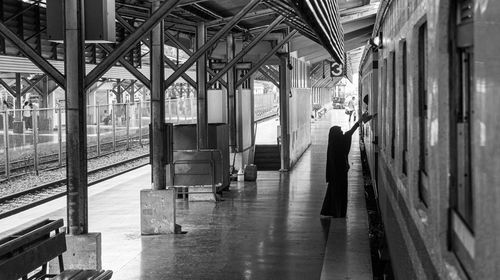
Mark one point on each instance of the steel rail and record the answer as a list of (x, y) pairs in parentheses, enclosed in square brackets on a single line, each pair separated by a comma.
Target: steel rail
[(60, 183)]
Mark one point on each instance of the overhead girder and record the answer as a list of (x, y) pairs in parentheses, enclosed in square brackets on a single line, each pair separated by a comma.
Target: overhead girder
[(265, 58), (245, 50), (211, 42)]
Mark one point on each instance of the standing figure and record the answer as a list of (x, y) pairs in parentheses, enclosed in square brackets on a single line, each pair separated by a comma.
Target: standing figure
[(350, 108), (27, 107), (337, 166)]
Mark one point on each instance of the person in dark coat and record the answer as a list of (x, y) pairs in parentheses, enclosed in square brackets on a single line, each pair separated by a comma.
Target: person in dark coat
[(337, 166)]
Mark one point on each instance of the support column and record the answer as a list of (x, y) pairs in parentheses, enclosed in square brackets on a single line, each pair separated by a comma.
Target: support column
[(84, 248), (201, 73), (231, 89), (284, 106), (119, 91), (158, 203), (157, 103), (19, 91), (76, 112), (18, 126)]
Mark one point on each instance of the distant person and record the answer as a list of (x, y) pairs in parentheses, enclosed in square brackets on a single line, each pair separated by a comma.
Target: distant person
[(27, 107), (337, 166), (350, 108), (107, 117)]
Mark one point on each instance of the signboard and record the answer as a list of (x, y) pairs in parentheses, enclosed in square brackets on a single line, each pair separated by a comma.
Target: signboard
[(336, 69)]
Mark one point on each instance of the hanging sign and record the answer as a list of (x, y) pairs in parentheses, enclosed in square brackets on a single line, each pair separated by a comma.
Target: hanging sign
[(336, 69)]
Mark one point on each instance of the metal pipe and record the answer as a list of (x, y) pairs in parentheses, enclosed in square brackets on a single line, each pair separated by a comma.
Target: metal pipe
[(113, 122), (127, 120), (59, 134), (6, 141), (98, 116), (34, 116), (140, 122)]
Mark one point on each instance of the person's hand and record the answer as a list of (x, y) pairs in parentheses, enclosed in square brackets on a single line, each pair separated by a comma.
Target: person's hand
[(366, 117)]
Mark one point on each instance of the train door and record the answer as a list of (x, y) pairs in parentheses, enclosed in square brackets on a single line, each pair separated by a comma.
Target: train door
[(461, 100), (375, 109)]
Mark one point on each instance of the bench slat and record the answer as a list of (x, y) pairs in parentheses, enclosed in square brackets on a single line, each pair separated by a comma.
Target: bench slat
[(30, 235), (27, 261), (23, 231), (75, 274)]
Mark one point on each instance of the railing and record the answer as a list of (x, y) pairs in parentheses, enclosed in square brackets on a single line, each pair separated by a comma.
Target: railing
[(35, 139)]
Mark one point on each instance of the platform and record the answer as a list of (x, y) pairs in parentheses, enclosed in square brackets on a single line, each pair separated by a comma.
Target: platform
[(269, 229)]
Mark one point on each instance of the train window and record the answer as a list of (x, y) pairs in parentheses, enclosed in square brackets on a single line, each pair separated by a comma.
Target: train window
[(404, 87), (461, 100), (383, 94), (423, 113), (393, 100)]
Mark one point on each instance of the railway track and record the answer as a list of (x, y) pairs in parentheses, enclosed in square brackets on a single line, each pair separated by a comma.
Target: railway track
[(24, 200), (47, 162)]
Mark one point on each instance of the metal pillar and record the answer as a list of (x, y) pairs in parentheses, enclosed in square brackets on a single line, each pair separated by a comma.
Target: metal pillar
[(231, 90), (284, 104), (157, 104), (76, 112), (18, 97), (119, 91), (201, 73)]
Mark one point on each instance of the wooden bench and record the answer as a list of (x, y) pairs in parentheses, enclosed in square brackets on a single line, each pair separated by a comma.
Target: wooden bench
[(26, 253)]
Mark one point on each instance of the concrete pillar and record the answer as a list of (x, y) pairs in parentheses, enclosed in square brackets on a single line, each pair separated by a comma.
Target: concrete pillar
[(284, 107), (231, 100), (201, 72)]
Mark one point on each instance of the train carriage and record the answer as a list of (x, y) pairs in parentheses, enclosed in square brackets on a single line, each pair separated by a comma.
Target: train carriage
[(430, 146)]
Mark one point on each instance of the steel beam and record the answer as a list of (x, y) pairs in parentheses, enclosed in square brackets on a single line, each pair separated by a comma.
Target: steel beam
[(231, 92), (201, 98), (31, 85), (76, 112), (245, 50), (130, 42), (131, 29), (256, 14), (145, 81), (190, 53), (211, 42), (8, 88), (157, 140), (265, 58), (271, 79), (32, 55)]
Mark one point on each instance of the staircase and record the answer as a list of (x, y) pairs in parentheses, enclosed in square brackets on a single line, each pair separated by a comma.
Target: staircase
[(267, 157)]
